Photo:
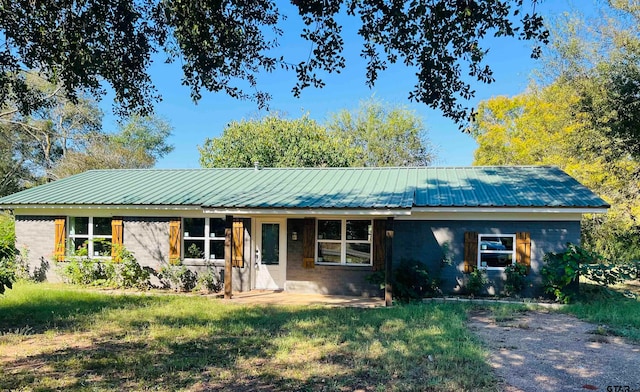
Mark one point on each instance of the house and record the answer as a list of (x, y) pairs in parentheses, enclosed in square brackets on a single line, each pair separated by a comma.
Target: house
[(320, 230)]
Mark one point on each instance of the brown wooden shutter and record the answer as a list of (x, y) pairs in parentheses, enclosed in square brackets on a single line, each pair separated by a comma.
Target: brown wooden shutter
[(238, 244), (60, 236), (379, 234), (116, 238), (470, 251), (309, 243), (174, 241), (523, 249)]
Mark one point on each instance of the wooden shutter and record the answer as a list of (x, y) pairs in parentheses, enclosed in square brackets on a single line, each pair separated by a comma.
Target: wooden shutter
[(60, 237), (174, 241), (379, 234), (116, 238), (309, 243), (523, 249), (470, 251), (238, 244)]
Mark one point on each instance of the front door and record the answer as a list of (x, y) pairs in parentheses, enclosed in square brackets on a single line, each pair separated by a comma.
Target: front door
[(271, 252)]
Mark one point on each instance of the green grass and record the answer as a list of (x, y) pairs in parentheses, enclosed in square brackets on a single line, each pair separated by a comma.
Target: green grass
[(621, 315), (59, 337)]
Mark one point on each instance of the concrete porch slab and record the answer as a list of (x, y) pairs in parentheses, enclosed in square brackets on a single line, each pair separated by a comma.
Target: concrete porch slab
[(267, 297)]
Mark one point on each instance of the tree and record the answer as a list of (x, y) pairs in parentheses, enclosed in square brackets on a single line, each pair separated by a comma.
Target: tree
[(56, 126), (383, 135), (223, 46), (275, 142), (139, 144), (546, 126)]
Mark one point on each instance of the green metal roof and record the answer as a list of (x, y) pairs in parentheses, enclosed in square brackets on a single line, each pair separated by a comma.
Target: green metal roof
[(524, 186)]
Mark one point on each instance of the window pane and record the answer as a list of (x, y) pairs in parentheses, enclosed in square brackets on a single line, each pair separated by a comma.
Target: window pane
[(79, 246), (358, 230), (216, 250), (78, 225), (496, 243), (101, 226), (101, 248), (329, 252), (193, 227), (496, 259), (358, 253), (270, 243), (194, 249), (216, 227), (329, 229)]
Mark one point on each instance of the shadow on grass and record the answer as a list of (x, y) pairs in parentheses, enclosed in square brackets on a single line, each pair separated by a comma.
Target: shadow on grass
[(172, 343)]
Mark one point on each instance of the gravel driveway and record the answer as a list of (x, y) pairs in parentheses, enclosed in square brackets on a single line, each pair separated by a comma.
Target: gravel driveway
[(539, 351)]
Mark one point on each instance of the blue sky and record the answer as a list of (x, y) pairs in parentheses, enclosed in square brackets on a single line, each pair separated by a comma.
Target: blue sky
[(193, 123)]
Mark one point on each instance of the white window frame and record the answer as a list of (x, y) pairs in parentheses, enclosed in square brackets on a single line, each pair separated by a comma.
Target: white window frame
[(343, 242), (90, 237), (207, 238), (491, 251)]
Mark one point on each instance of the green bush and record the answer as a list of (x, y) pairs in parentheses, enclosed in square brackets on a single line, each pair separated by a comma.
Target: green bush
[(127, 271), (516, 279), (476, 280), (561, 271), (7, 236), (124, 272), (410, 281), (210, 281), (178, 277)]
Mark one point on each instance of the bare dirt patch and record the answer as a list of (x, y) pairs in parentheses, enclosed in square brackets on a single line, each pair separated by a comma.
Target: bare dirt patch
[(541, 351)]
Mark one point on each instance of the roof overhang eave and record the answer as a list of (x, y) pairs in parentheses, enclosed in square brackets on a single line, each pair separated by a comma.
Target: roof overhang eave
[(388, 212), (102, 207), (545, 210)]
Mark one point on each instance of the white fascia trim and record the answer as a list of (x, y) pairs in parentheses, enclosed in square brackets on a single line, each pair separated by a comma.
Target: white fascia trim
[(307, 212), (545, 210), (100, 207)]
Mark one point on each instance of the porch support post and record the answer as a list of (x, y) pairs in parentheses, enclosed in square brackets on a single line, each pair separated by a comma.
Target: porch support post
[(228, 275), (388, 261)]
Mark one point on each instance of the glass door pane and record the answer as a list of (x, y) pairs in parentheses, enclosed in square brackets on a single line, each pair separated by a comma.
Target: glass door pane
[(271, 243)]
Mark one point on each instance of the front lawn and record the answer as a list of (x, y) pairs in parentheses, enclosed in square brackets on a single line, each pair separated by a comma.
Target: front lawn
[(61, 337), (615, 313)]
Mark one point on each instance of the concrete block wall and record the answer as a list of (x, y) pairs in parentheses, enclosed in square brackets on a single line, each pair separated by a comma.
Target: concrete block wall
[(424, 241), (35, 235), (323, 279)]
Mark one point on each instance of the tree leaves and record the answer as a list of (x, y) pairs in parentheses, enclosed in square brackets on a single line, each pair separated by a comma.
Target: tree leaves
[(224, 45)]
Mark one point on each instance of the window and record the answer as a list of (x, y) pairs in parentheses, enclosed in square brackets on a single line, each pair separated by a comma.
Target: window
[(90, 236), (344, 241), (203, 238), (496, 251)]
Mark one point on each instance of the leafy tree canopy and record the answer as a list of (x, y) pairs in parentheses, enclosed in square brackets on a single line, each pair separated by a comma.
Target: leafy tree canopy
[(275, 142), (224, 45), (376, 134), (383, 135)]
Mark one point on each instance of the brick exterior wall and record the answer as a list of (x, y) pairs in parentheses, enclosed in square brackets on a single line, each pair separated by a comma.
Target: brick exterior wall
[(35, 235), (424, 240), (323, 279)]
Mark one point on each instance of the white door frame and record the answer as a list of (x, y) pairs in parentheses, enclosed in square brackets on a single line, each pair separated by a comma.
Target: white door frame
[(270, 277)]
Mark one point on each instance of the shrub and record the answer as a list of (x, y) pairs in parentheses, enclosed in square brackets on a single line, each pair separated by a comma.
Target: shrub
[(210, 281), (476, 280), (516, 279), (85, 271), (178, 277), (128, 272), (124, 272), (561, 271), (410, 281)]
